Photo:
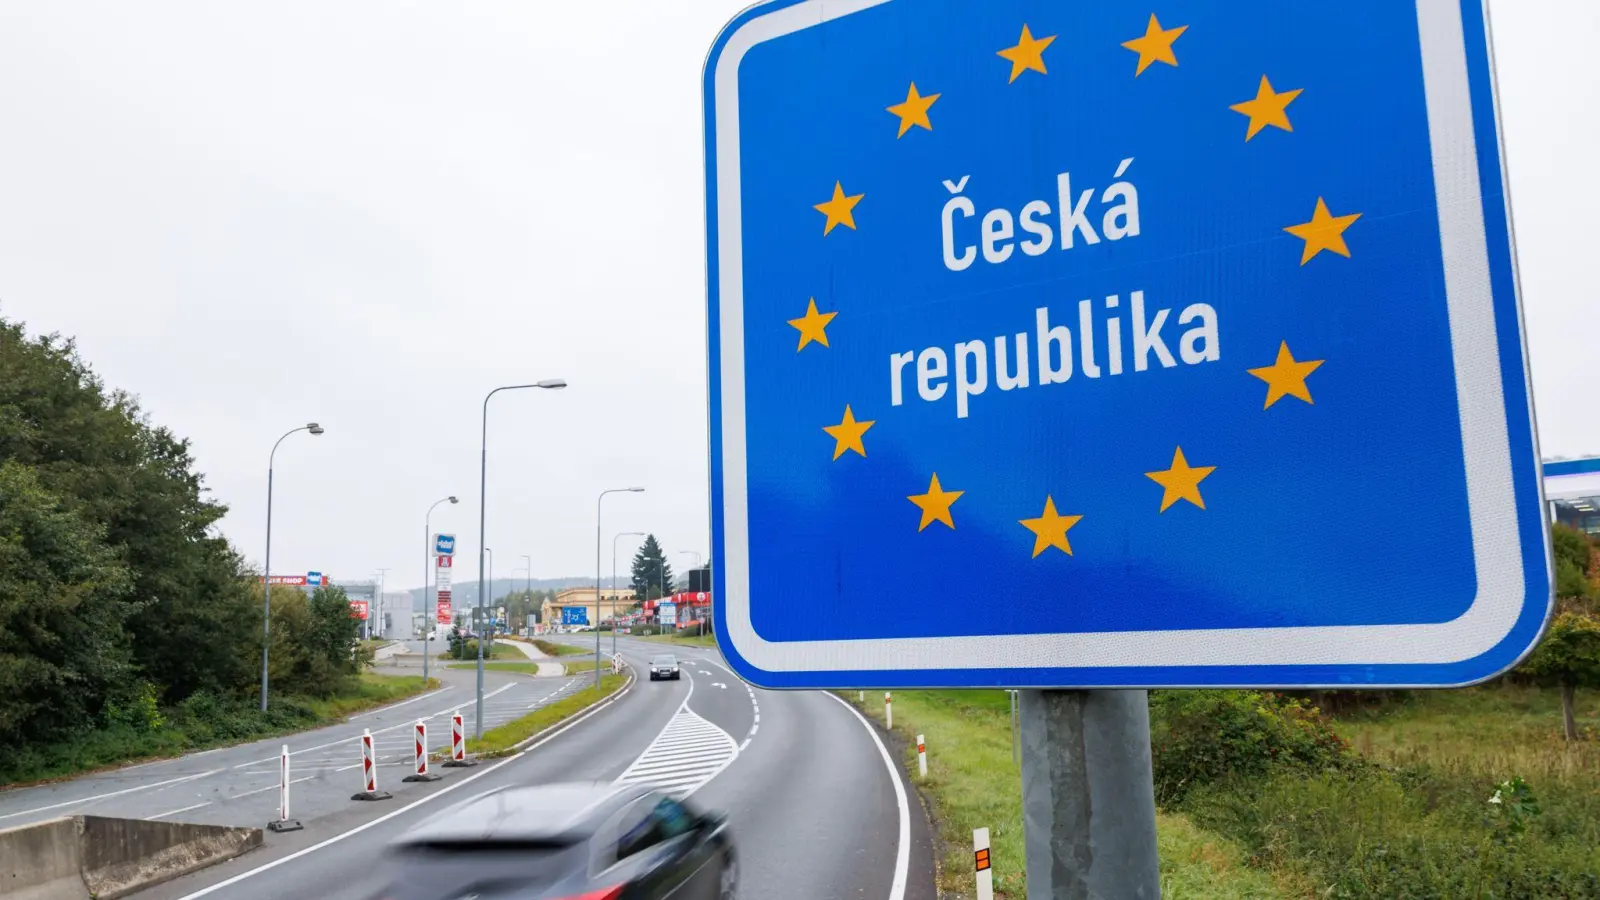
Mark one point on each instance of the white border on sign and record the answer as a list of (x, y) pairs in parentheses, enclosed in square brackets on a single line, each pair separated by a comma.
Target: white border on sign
[(1491, 499)]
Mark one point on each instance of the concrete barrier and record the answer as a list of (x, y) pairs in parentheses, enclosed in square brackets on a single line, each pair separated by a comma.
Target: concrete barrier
[(41, 862), (94, 856)]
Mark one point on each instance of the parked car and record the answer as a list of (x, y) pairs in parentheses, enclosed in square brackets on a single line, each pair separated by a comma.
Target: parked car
[(566, 842)]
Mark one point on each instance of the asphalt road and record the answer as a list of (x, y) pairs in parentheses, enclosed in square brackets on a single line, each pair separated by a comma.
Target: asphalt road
[(815, 808), (239, 785)]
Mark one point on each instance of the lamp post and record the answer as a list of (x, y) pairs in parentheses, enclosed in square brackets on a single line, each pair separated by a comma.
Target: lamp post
[(483, 500), (697, 558), (614, 586), (266, 575), (529, 561), (599, 505), (427, 567)]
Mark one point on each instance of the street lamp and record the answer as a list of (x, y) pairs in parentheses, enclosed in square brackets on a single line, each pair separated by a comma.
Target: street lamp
[(483, 501), (598, 508), (266, 579), (614, 587), (427, 567), (529, 560)]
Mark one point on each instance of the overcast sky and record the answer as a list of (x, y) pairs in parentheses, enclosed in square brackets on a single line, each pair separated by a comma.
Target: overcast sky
[(255, 215)]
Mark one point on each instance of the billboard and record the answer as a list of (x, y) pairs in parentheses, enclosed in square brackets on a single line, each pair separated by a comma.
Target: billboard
[(358, 609)]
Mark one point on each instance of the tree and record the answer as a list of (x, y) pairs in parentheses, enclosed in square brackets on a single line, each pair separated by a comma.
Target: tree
[(1569, 658), (1574, 562), (652, 575), (64, 597), (133, 486)]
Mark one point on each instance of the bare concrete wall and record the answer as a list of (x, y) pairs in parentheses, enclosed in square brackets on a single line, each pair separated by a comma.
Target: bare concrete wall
[(41, 862), (121, 856), (82, 856)]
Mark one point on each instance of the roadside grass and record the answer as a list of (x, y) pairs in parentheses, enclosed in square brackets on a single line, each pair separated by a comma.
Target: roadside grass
[(551, 648), (526, 667), (497, 650), (202, 722), (697, 640), (498, 741), (973, 783), (1506, 728)]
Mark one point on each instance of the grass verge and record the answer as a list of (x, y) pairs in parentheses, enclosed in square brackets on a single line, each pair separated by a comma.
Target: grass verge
[(551, 648), (201, 722), (497, 650), (973, 783), (500, 740), (697, 640), (527, 667)]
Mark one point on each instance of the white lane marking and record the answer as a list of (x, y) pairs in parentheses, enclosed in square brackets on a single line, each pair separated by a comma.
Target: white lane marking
[(902, 853), (449, 786), (174, 812), (98, 797)]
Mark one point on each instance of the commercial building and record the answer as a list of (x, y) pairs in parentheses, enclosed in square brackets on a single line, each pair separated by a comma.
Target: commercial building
[(1572, 488), (583, 606)]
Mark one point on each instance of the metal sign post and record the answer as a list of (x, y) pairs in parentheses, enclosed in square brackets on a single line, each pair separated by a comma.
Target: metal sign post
[(1135, 351)]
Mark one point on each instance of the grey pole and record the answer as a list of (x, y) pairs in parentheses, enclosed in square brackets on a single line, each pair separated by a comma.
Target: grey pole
[(1088, 795), (429, 604), (483, 499), (614, 584), (598, 510), (529, 560), (266, 574)]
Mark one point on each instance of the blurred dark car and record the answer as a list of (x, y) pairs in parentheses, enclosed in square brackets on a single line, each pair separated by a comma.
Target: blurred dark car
[(566, 842)]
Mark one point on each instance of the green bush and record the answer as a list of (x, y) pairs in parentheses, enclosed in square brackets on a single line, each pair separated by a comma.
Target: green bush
[(1201, 737)]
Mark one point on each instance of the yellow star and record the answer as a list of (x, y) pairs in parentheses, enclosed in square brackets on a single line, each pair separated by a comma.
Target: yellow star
[(914, 111), (1155, 46), (1181, 482), (838, 209), (847, 434), (1268, 108), (1027, 54), (935, 504), (813, 326), (1287, 376), (1323, 232), (1050, 529)]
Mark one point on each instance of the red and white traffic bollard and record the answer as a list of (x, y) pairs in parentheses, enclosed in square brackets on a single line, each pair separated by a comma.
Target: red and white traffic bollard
[(922, 757), (980, 859), (458, 744), (283, 822), (369, 771), (419, 769), (888, 709)]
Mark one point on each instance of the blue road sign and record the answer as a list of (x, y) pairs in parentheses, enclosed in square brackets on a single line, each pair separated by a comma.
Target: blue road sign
[(574, 615), (1065, 345), (314, 578), (444, 545)]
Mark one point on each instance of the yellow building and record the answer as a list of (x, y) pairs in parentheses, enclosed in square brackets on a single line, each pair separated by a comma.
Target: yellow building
[(620, 599)]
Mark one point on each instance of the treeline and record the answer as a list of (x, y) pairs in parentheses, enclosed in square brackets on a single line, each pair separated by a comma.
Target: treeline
[(117, 595)]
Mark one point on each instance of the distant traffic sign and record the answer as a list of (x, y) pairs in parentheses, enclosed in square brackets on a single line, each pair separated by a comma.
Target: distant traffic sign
[(574, 615), (1059, 345)]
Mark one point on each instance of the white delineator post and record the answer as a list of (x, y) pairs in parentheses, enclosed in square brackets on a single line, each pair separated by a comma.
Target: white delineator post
[(420, 768), (283, 823), (922, 757), (980, 861), (458, 743), (369, 771), (888, 709)]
